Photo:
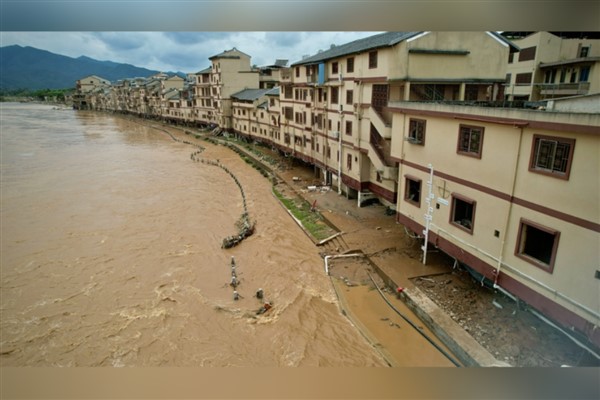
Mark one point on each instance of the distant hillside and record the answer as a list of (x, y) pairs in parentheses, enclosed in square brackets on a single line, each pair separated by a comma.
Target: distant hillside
[(31, 68)]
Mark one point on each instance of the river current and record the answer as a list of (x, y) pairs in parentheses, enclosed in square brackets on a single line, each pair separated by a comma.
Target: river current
[(111, 254)]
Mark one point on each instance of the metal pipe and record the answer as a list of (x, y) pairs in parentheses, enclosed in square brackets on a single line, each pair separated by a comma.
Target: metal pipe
[(449, 357), (327, 258)]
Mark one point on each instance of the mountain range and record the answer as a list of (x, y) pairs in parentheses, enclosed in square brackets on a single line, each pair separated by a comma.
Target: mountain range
[(34, 69)]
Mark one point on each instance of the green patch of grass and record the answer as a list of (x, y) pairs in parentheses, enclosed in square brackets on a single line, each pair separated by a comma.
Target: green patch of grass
[(311, 220)]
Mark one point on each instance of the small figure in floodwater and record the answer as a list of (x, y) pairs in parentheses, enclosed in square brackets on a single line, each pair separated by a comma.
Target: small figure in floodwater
[(266, 307), (236, 295), (234, 282), (232, 262), (259, 294)]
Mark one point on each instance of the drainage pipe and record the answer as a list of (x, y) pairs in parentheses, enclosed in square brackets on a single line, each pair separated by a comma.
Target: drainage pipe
[(577, 342), (523, 275), (445, 353)]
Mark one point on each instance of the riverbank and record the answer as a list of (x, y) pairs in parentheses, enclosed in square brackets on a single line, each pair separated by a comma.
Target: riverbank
[(479, 326)]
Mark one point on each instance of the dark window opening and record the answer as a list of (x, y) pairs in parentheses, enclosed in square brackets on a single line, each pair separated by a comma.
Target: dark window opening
[(523, 79), (334, 95), (349, 97), (463, 213), (334, 68), (537, 244), (350, 64), (527, 54), (416, 131), (585, 74), (412, 191), (372, 60)]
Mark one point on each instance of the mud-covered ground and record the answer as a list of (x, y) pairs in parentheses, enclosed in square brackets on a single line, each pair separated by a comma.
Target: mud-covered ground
[(509, 331)]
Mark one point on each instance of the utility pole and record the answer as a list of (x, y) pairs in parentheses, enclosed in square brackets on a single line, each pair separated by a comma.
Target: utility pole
[(429, 214)]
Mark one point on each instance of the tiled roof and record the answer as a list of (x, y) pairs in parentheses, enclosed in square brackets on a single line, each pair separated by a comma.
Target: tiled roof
[(372, 42), (228, 54), (273, 91), (250, 94), (205, 71)]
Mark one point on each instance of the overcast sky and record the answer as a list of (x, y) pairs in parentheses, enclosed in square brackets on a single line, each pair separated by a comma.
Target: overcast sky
[(180, 51)]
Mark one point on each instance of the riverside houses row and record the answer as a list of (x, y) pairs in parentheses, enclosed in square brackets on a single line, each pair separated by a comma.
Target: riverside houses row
[(420, 121)]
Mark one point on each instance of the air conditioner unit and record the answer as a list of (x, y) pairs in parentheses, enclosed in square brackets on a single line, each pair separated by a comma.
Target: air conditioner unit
[(336, 134)]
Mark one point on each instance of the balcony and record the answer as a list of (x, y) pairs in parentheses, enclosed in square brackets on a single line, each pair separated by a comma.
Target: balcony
[(552, 90)]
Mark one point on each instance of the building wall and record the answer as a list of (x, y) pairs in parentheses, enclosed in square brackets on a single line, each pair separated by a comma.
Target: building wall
[(506, 192), (486, 58)]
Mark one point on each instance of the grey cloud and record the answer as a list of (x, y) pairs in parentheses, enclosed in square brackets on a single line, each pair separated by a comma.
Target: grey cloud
[(121, 41), (195, 37)]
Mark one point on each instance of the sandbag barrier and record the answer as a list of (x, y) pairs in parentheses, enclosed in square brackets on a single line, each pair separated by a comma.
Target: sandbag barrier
[(244, 225)]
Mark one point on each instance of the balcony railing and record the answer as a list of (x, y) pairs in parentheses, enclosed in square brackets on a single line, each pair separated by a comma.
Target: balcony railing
[(550, 89)]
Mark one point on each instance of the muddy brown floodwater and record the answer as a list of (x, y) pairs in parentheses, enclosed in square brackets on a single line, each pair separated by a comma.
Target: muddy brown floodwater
[(111, 254)]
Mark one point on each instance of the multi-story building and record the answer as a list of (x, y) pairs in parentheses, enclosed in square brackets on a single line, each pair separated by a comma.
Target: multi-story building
[(511, 193), (270, 75), (83, 89), (334, 103), (230, 73), (419, 120), (553, 64)]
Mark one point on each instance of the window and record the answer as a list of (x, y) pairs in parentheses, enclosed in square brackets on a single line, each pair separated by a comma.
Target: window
[(350, 64), (349, 162), (288, 92), (372, 59), (563, 75), (297, 72), (412, 190), (523, 79), (349, 97), (334, 67), (334, 95), (552, 156), (416, 131), (470, 140), (573, 77), (463, 213), (288, 113), (584, 51), (537, 244), (527, 54), (550, 76), (349, 128), (507, 79), (511, 57), (585, 74)]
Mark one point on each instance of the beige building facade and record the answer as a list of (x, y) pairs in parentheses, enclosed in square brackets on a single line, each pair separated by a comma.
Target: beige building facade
[(515, 192), (553, 65), (514, 196)]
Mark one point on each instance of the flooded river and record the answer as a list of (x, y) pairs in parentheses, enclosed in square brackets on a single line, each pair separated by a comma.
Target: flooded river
[(111, 254)]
